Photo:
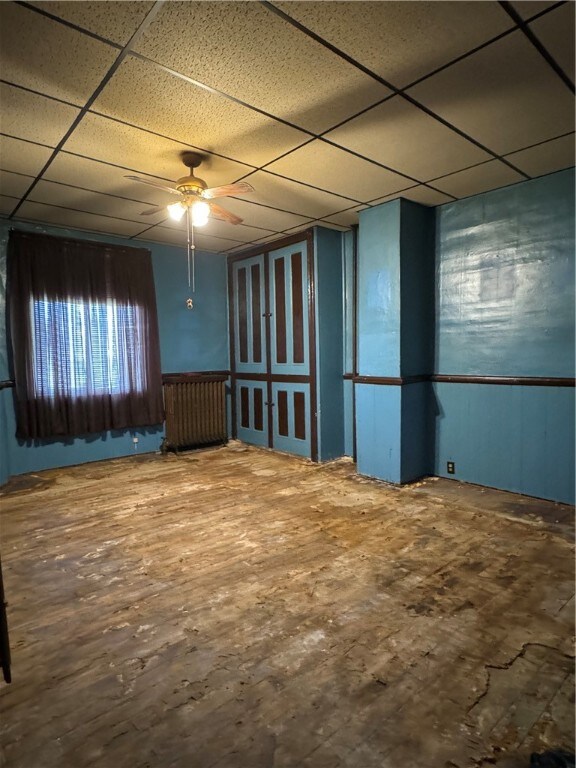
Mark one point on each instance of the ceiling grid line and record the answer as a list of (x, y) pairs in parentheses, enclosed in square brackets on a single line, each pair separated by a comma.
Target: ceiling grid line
[(397, 91), (305, 110), (515, 16), (121, 56)]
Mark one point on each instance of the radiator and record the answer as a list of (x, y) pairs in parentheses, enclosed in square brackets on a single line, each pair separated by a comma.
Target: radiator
[(195, 406)]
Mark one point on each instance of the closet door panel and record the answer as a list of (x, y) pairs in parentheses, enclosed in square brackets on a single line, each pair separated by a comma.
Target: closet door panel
[(249, 315), (288, 285), (252, 412), (291, 417)]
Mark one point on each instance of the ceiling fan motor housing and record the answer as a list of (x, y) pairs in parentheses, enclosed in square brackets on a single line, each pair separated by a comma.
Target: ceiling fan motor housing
[(190, 185)]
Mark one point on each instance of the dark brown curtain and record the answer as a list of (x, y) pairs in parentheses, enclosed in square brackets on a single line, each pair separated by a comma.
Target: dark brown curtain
[(84, 336)]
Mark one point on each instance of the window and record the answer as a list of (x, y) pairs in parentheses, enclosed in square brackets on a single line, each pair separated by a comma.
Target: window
[(92, 339), (84, 336)]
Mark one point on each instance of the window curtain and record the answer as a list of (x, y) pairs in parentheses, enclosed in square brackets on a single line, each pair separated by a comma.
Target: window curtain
[(84, 334)]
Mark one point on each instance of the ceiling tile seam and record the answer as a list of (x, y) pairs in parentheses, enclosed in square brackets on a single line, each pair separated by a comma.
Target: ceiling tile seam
[(310, 186), (85, 189), (218, 92), (268, 230), (11, 84), (541, 143), (15, 173), (219, 237), (538, 45), (397, 91), (28, 141), (169, 138), (479, 47), (460, 58), (375, 162), (268, 115), (69, 24), (112, 69), (81, 210), (462, 170)]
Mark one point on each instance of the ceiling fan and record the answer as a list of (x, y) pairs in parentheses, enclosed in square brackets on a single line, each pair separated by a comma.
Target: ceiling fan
[(194, 195)]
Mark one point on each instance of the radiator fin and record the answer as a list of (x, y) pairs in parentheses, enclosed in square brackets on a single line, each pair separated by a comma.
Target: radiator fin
[(195, 411)]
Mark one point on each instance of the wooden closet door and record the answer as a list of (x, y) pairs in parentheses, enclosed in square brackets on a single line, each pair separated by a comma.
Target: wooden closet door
[(288, 285), (250, 351), (289, 349), (249, 315)]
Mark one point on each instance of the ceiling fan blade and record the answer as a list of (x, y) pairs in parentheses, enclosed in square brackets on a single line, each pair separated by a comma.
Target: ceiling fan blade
[(156, 184), (151, 211), (240, 188), (221, 213)]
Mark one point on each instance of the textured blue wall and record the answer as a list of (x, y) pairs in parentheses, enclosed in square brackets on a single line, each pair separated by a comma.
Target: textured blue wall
[(379, 291), (197, 339), (513, 437), (395, 336), (329, 342), (505, 306), (189, 340), (505, 281), (349, 338), (416, 288), (378, 431)]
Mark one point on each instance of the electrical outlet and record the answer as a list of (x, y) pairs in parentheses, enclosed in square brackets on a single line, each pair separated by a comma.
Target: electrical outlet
[(450, 468)]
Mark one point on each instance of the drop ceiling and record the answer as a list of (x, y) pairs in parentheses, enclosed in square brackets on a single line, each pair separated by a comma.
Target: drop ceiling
[(325, 108)]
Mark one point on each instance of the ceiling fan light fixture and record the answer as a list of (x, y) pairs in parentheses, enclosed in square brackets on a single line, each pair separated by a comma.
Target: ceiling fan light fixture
[(200, 213), (176, 211)]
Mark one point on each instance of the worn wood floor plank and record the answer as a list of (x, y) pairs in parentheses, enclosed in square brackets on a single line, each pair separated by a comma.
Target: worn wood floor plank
[(237, 607)]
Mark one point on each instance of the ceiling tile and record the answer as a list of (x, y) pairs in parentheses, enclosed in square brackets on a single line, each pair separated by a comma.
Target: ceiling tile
[(263, 216), (116, 21), (556, 31), (28, 116), (14, 184), (50, 192), (178, 237), (22, 156), (529, 8), (46, 56), (418, 194), (49, 214), (405, 138), (101, 177), (545, 158), (401, 41), (344, 219), (331, 168), (7, 204), (482, 178), (145, 95), (215, 228), (250, 53), (294, 197), (131, 148), (517, 100)]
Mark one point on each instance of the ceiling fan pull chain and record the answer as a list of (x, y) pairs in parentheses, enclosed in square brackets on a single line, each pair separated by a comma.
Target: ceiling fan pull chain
[(190, 247)]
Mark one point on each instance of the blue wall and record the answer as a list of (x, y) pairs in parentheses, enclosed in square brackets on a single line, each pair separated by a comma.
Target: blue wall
[(348, 307), (395, 340), (329, 342), (189, 340), (505, 307), (379, 290)]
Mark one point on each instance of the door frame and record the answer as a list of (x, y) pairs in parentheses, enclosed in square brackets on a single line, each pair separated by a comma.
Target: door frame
[(306, 236)]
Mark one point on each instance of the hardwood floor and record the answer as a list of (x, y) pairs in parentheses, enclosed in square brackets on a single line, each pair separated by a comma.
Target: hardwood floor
[(237, 608)]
